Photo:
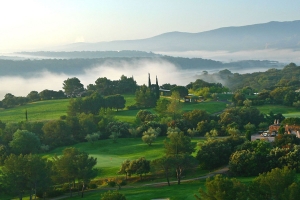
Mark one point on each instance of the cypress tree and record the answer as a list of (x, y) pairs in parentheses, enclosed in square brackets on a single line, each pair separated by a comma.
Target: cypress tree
[(157, 89), (149, 81)]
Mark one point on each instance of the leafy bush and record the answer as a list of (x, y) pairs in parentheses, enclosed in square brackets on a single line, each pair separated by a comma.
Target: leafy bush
[(132, 107), (111, 183), (92, 186), (63, 117), (123, 182), (112, 196), (54, 193)]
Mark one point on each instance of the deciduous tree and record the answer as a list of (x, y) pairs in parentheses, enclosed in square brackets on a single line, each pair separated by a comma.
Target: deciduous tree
[(177, 143), (73, 87), (25, 142), (150, 135), (222, 188), (56, 133), (74, 165)]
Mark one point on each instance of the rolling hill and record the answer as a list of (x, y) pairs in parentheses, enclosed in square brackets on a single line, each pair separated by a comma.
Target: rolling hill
[(271, 35)]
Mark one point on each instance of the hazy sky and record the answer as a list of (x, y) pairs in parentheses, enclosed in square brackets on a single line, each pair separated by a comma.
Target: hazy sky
[(36, 24)]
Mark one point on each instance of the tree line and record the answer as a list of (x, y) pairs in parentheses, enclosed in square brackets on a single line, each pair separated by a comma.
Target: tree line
[(31, 174)]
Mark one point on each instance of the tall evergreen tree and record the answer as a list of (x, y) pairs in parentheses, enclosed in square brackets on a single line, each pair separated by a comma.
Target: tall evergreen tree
[(157, 89), (149, 81)]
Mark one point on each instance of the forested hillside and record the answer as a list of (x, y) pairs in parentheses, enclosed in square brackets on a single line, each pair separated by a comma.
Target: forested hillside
[(270, 79), (87, 60)]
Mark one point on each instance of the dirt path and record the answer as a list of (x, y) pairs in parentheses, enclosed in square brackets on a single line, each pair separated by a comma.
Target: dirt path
[(218, 171)]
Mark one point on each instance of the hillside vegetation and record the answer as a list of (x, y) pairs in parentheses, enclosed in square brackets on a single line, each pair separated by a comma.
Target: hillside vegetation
[(54, 109)]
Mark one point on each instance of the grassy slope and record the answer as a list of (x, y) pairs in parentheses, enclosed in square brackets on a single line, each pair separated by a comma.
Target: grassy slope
[(185, 191), (37, 111), (53, 109), (110, 155), (285, 110)]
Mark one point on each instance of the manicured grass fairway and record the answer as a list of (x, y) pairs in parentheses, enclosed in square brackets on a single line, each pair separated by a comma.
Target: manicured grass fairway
[(211, 106), (110, 155), (128, 115), (53, 109), (184, 191), (37, 111), (285, 110)]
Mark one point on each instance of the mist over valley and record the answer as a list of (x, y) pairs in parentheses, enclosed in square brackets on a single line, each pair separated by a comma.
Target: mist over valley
[(174, 57), (23, 76)]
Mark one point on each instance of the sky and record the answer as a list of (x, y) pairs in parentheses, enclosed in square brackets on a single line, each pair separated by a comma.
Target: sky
[(41, 24)]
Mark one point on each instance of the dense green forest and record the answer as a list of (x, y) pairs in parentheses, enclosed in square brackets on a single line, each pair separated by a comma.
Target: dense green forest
[(269, 80)]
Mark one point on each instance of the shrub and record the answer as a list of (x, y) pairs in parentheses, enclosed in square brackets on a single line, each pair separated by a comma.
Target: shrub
[(111, 183), (123, 182), (92, 186), (63, 117), (112, 195), (54, 193), (132, 107)]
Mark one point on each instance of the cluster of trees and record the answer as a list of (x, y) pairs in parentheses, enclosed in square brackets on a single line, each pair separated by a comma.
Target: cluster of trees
[(94, 103), (177, 158), (72, 87), (105, 86), (280, 95), (31, 174), (258, 81), (139, 166), (250, 158), (205, 89), (232, 120), (215, 153), (255, 157), (35, 137), (11, 100), (279, 184)]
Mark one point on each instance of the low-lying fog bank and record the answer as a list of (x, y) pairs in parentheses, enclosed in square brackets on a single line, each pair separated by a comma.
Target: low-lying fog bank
[(281, 55), (166, 73)]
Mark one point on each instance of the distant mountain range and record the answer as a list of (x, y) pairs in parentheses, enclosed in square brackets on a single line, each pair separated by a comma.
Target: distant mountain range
[(271, 35)]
